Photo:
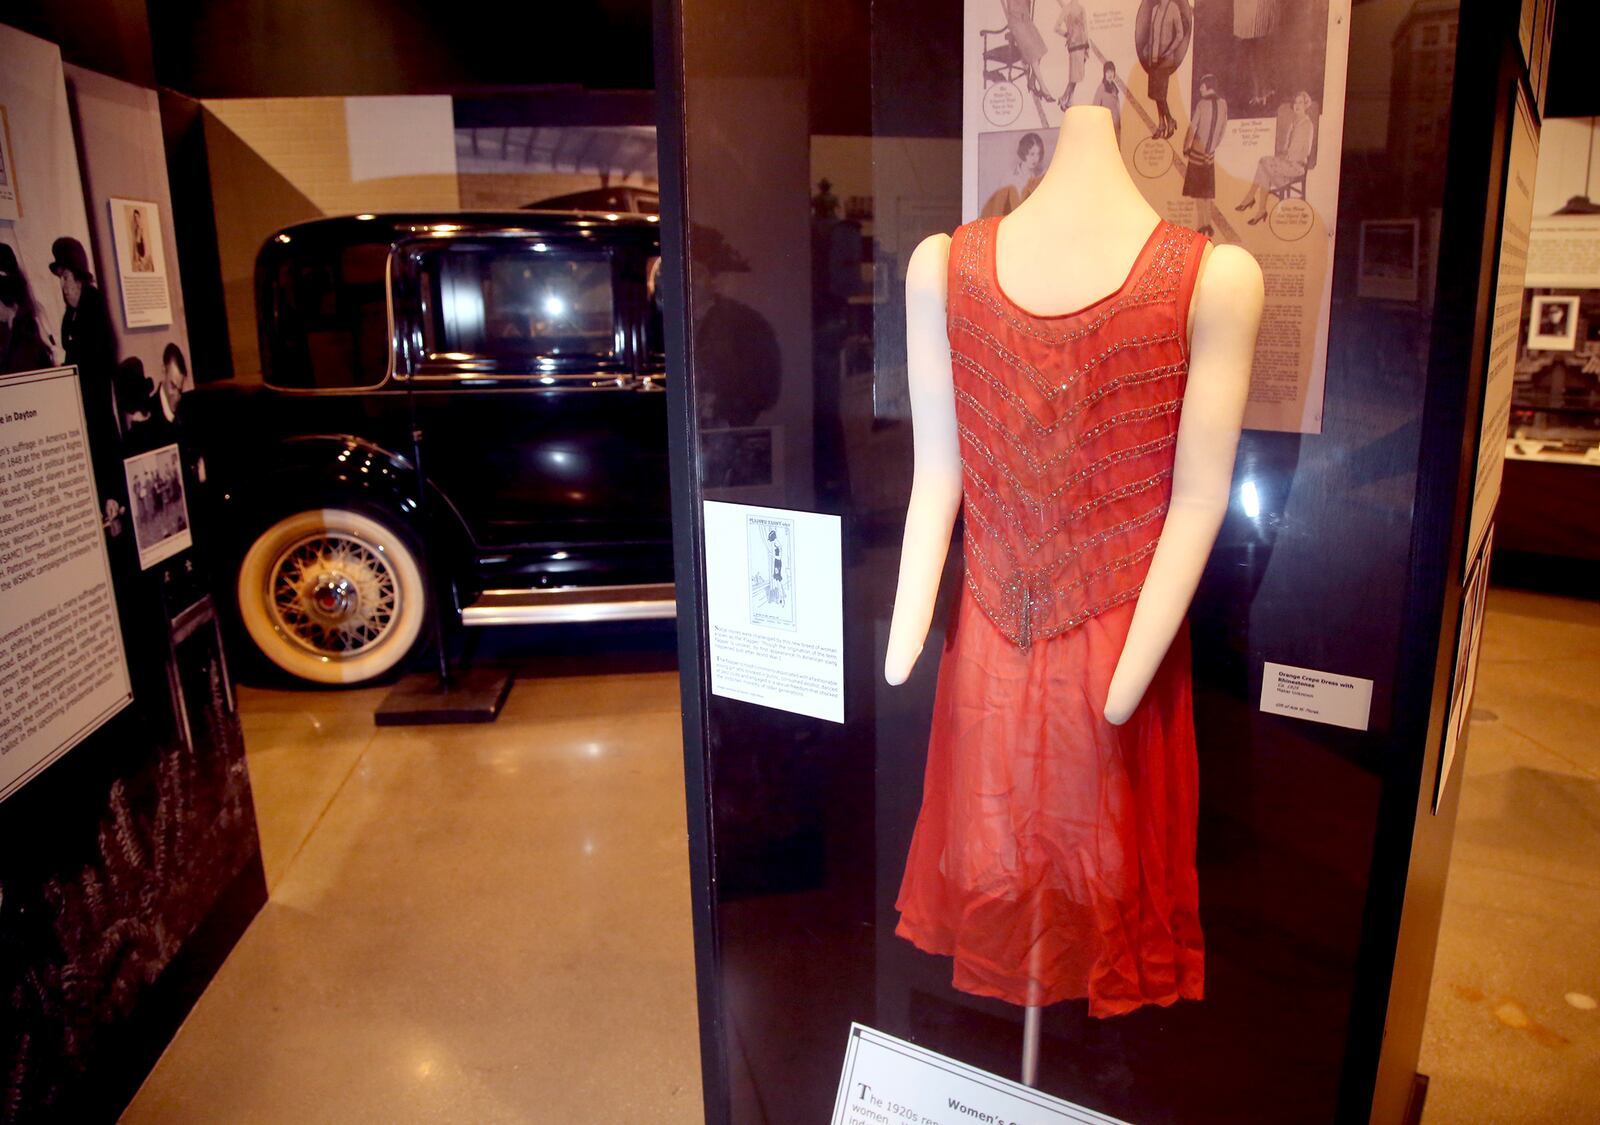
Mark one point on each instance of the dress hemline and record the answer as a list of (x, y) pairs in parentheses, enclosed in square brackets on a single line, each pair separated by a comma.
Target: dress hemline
[(1188, 989)]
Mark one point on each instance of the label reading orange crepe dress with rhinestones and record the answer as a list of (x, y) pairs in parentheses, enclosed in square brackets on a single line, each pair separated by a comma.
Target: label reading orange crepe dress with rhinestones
[(1054, 855)]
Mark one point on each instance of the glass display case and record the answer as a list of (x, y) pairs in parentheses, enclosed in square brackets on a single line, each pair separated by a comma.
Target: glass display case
[(807, 150), (1555, 404)]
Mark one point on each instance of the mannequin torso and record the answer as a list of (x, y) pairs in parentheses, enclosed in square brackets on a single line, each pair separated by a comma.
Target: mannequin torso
[(1071, 243)]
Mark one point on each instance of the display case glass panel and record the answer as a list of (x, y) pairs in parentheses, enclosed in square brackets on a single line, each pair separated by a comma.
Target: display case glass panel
[(819, 145)]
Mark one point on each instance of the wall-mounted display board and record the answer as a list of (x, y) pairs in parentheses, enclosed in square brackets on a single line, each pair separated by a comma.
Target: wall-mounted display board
[(129, 862), (1315, 850), (1516, 216), (60, 643)]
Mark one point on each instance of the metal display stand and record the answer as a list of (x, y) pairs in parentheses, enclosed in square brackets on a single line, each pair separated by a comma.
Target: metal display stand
[(473, 695)]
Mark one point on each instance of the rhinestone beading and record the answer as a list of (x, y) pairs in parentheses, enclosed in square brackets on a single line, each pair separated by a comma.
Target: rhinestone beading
[(1067, 453)]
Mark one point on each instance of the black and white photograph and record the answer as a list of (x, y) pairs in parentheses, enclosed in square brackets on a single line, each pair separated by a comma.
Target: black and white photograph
[(771, 561), (1010, 165), (119, 121), (740, 457), (1389, 269), (1553, 325), (140, 253), (1263, 52), (155, 496)]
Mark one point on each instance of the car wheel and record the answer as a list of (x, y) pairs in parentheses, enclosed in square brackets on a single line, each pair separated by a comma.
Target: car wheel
[(332, 595)]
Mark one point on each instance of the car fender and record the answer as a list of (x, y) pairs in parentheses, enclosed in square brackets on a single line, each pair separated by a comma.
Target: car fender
[(327, 468)]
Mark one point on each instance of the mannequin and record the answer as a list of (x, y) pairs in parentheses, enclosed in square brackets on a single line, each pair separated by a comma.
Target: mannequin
[(1086, 200), (1087, 205)]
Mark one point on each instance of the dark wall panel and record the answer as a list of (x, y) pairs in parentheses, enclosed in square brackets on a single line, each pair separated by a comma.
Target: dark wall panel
[(264, 48), (111, 36)]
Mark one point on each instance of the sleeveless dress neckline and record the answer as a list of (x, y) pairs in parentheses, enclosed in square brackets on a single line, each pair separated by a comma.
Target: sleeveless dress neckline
[(1133, 271), (1053, 857)]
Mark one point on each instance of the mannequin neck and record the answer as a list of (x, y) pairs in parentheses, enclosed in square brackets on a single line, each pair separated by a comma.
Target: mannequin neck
[(1087, 162)]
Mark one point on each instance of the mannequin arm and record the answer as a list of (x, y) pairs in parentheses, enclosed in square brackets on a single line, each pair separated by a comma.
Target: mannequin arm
[(1226, 313), (936, 476)]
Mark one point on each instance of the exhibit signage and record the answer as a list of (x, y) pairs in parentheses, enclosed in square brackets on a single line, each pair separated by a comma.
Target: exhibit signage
[(1322, 697), (61, 656), (1494, 424), (1213, 106), (887, 1081), (775, 608), (141, 263), (1464, 677)]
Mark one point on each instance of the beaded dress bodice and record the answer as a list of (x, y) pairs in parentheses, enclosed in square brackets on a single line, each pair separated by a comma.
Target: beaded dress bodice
[(1068, 428)]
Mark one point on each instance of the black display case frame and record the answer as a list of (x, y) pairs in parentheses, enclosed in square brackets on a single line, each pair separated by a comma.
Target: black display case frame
[(764, 1058)]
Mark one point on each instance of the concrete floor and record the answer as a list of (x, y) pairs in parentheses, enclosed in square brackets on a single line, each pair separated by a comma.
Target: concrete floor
[(492, 923), (478, 923), (1513, 1034)]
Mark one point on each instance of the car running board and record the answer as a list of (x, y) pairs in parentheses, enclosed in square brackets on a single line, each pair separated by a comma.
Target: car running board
[(570, 604)]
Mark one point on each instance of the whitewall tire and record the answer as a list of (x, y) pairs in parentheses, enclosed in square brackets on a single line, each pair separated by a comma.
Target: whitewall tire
[(332, 595)]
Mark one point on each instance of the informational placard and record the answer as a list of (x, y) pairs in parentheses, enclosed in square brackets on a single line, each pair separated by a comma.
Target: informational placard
[(887, 1081), (1321, 697), (61, 656), (1522, 164), (775, 608), (1464, 677), (141, 263), (1230, 118), (1564, 252)]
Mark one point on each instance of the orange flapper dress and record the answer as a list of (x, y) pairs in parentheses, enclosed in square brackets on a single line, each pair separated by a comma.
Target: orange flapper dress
[(1054, 855)]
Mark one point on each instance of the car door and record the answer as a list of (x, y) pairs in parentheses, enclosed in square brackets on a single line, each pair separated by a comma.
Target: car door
[(537, 425)]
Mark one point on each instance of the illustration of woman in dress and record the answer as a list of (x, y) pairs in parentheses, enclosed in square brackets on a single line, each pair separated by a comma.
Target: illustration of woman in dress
[(1162, 30), (1206, 126), (1025, 176), (1073, 26), (1254, 21), (1109, 94), (1287, 164), (1030, 45)]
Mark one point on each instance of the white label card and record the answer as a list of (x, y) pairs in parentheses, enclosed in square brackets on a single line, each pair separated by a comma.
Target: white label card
[(775, 608), (887, 1081), (1322, 697)]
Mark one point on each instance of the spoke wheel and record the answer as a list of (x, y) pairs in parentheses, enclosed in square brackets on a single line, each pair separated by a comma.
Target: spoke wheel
[(333, 596)]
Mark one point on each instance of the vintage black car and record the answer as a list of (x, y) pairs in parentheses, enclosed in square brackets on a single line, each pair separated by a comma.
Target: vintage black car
[(526, 349)]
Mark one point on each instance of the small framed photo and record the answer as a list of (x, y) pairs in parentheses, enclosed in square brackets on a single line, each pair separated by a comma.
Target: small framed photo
[(741, 457), (1553, 324), (141, 263), (1389, 268), (160, 514)]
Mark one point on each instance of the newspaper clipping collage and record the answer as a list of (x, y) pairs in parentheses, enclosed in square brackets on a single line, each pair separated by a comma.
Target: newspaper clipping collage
[(1222, 108)]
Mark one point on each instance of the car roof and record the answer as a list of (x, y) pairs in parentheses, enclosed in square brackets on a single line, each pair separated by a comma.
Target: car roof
[(393, 226)]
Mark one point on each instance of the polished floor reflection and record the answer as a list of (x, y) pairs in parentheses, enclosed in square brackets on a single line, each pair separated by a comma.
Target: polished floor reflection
[(1513, 1032), (479, 923), (491, 924)]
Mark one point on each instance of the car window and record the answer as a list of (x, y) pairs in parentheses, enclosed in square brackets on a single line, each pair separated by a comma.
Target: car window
[(329, 328), (519, 304)]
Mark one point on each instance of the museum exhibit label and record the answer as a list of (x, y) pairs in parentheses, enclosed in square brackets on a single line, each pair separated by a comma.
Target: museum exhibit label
[(60, 645)]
